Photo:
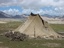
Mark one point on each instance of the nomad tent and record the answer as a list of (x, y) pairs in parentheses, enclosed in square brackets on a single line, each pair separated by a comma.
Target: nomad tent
[(35, 27)]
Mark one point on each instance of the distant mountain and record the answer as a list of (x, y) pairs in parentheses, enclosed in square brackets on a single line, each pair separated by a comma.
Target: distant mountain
[(51, 16), (46, 15), (63, 16), (16, 16), (4, 15), (19, 16)]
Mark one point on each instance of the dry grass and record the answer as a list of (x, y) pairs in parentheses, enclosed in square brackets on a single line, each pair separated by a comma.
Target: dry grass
[(5, 42), (52, 44)]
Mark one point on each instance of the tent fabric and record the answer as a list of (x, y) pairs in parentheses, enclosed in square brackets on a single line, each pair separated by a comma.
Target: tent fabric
[(35, 26)]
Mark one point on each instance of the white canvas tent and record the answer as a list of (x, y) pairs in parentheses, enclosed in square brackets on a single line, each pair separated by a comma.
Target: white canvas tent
[(35, 26)]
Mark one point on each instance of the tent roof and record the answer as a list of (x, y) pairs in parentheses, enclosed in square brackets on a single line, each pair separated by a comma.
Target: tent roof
[(42, 28)]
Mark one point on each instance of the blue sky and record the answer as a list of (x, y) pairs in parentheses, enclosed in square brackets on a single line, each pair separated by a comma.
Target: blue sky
[(13, 7), (12, 10)]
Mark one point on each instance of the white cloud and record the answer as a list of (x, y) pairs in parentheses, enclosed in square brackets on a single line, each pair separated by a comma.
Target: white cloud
[(35, 5), (31, 5), (56, 11), (12, 11), (41, 3)]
